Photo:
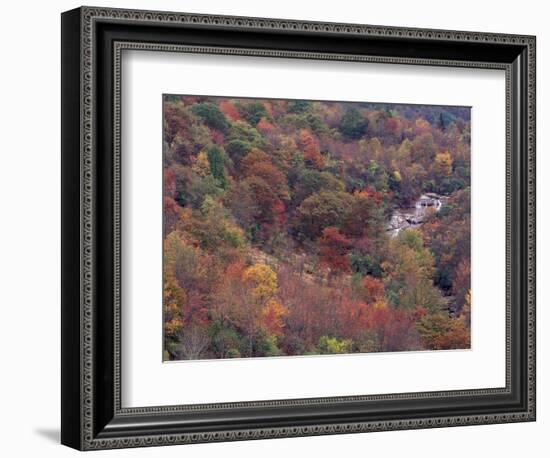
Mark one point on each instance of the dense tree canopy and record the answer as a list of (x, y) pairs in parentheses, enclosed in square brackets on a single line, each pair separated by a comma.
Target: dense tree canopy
[(276, 227)]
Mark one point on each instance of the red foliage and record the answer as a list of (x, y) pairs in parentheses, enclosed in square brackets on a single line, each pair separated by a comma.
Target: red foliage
[(271, 175), (391, 126), (230, 110), (356, 223), (265, 127), (430, 229), (395, 328), (333, 248), (353, 316), (304, 224), (376, 196), (171, 212), (456, 337), (310, 146), (264, 197), (217, 137), (374, 289), (174, 122), (169, 185), (419, 312), (198, 312), (234, 270), (279, 210), (363, 244), (268, 107)]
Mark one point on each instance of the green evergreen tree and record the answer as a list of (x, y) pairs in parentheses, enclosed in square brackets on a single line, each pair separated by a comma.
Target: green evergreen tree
[(216, 161)]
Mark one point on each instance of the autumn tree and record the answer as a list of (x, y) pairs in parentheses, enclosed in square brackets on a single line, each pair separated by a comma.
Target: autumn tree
[(263, 281), (275, 226), (365, 215), (444, 164), (271, 175), (201, 164), (265, 127), (306, 181), (310, 147), (264, 196), (461, 283), (174, 301), (409, 271), (466, 311), (273, 315), (394, 328), (332, 345), (320, 210), (441, 332), (252, 157), (263, 308), (447, 234), (172, 214), (229, 109), (333, 250), (373, 289)]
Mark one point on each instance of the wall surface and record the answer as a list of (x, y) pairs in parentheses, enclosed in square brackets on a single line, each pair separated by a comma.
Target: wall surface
[(30, 240)]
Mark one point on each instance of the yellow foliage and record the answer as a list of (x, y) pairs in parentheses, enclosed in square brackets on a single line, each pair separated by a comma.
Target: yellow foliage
[(201, 166), (404, 150), (444, 163), (466, 308), (174, 299), (422, 124), (263, 279), (380, 304), (173, 293), (173, 326)]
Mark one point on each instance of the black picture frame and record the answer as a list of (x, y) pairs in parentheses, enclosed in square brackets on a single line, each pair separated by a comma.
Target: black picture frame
[(92, 40)]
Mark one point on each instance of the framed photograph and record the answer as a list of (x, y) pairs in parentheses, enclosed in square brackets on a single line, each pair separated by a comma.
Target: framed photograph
[(276, 228)]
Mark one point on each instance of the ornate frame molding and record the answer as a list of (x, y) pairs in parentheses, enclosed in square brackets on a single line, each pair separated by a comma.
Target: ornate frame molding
[(88, 434)]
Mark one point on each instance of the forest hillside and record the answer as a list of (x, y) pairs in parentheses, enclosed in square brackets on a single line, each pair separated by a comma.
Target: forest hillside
[(302, 227)]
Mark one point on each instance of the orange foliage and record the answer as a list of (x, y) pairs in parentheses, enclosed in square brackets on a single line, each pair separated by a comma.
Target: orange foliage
[(441, 332), (271, 175), (422, 126), (310, 146), (354, 316), (395, 328), (230, 110), (374, 289), (255, 155), (265, 127), (272, 317), (250, 266)]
